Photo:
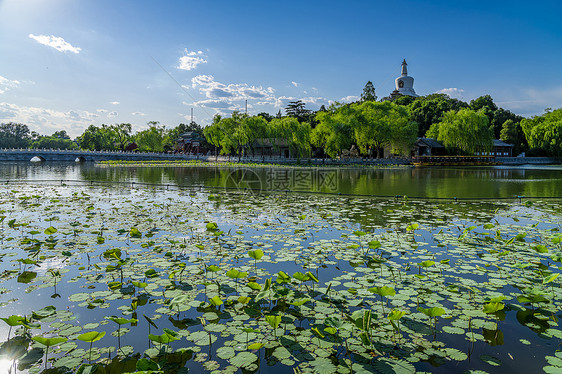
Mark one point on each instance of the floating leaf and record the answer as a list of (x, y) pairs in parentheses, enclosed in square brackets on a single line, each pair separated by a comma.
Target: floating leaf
[(256, 255), (383, 291), (49, 342), (273, 320), (432, 312), (236, 274), (50, 230), (92, 336)]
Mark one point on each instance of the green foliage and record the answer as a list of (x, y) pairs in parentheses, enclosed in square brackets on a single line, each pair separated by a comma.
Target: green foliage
[(297, 110), (14, 135), (256, 254), (466, 131), (427, 110), (544, 132), (49, 342), (59, 140), (292, 132), (368, 93), (105, 138), (91, 337), (151, 139), (273, 320), (235, 134), (333, 132)]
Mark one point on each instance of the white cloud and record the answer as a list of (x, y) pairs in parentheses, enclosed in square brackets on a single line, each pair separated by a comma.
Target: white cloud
[(115, 103), (6, 84), (295, 84), (191, 60), (453, 92), (112, 114), (224, 98), (349, 99), (55, 42), (47, 121), (138, 114), (215, 91)]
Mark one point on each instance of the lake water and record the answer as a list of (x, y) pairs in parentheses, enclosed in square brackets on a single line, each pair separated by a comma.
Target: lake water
[(194, 278), (428, 182)]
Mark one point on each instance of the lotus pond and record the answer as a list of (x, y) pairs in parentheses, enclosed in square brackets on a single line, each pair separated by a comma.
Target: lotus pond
[(98, 279)]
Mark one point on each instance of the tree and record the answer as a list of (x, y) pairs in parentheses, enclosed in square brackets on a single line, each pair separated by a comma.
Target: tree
[(268, 117), (427, 110), (368, 93), (297, 110), (59, 140), (487, 105), (333, 133), (512, 133), (498, 119), (236, 133), (14, 135), (466, 131), (544, 133), (213, 133), (60, 134), (295, 133), (121, 134), (378, 125), (151, 139), (97, 139)]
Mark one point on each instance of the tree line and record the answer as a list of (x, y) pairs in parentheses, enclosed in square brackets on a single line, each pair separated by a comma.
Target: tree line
[(117, 137), (367, 126)]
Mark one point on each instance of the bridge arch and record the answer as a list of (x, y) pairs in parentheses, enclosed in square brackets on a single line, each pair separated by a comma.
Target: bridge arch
[(37, 158)]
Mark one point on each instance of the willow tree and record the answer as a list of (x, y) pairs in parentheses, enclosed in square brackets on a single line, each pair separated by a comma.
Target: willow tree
[(295, 133), (466, 130), (379, 125), (235, 133), (333, 132), (544, 133)]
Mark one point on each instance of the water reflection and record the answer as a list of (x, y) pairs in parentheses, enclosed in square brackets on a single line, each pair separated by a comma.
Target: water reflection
[(468, 182)]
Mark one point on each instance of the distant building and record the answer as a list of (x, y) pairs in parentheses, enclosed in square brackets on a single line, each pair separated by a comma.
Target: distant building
[(428, 147), (404, 84), (270, 147), (189, 142), (502, 149)]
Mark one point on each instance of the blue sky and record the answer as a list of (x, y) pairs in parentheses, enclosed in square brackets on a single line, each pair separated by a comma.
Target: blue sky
[(66, 64)]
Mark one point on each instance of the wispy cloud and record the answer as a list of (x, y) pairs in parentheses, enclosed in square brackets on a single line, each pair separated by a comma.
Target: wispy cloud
[(112, 114), (530, 101), (115, 103), (47, 121), (453, 92), (191, 60), (55, 42), (295, 84), (138, 114), (7, 84)]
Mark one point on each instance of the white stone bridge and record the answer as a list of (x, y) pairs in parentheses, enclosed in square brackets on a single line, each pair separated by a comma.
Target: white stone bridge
[(79, 155)]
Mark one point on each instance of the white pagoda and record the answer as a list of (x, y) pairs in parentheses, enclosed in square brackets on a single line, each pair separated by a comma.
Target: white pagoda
[(404, 83)]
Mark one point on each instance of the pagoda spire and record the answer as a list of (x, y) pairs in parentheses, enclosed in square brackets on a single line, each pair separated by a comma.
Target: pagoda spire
[(404, 68)]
